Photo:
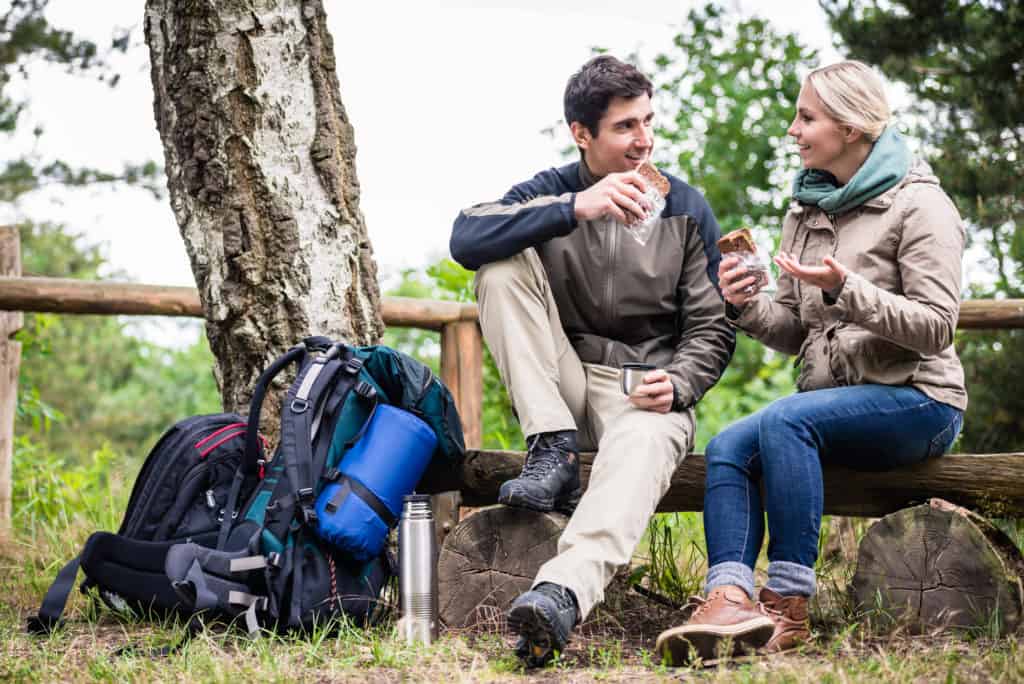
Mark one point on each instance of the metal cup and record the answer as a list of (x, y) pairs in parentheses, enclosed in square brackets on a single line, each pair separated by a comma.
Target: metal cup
[(632, 375)]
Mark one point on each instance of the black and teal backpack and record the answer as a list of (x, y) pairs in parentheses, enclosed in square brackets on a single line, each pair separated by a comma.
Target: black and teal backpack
[(214, 527)]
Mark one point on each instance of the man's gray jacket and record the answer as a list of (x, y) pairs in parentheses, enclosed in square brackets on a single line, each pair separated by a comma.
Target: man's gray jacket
[(619, 301)]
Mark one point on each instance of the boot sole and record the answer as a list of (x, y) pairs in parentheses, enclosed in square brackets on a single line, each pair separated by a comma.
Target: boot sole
[(680, 645), (564, 503), (540, 632)]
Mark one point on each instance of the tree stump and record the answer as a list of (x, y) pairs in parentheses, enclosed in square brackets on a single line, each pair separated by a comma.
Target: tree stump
[(940, 565), (490, 558)]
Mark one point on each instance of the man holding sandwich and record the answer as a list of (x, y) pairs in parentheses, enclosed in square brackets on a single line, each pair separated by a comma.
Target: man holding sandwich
[(569, 293)]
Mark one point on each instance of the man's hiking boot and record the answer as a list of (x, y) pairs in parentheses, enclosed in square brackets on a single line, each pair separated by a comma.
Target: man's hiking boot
[(792, 627), (727, 623), (550, 480), (543, 617)]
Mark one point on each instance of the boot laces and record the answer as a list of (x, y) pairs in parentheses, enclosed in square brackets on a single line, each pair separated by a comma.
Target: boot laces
[(539, 464), (695, 605), (545, 455)]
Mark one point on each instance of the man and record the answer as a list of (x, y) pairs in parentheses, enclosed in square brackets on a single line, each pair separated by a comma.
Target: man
[(567, 295)]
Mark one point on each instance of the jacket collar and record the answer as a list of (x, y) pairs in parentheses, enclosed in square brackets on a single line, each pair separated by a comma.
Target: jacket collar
[(587, 177), (920, 172)]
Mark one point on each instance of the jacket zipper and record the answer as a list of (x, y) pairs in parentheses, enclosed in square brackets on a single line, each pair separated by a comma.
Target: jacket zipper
[(610, 286)]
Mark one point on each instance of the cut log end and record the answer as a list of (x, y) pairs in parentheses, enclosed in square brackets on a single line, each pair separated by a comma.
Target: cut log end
[(939, 565), (490, 558)]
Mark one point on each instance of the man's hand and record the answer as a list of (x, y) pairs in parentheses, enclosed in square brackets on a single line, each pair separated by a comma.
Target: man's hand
[(830, 276), (655, 394), (618, 195)]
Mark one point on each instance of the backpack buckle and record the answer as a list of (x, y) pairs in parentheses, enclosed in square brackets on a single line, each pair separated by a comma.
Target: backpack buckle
[(305, 499), (353, 365), (309, 516), (332, 474), (365, 390)]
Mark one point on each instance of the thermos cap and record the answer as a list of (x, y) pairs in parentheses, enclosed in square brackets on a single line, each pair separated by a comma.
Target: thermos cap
[(416, 498)]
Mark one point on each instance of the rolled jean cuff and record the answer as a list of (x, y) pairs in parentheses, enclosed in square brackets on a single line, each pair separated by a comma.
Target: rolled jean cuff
[(730, 572), (791, 579)]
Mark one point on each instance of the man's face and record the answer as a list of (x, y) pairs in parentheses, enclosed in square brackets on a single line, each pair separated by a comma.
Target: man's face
[(624, 136)]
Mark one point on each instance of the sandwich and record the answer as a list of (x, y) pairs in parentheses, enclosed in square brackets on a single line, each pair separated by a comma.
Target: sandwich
[(741, 242), (654, 178), (737, 241)]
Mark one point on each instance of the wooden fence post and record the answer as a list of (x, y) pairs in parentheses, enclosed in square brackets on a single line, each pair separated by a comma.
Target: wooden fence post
[(10, 360), (462, 373)]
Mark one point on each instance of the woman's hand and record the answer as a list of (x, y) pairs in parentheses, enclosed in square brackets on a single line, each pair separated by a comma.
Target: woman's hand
[(830, 276), (655, 394), (735, 284)]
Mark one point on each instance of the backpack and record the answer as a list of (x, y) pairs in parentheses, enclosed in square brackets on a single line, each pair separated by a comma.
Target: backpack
[(256, 552)]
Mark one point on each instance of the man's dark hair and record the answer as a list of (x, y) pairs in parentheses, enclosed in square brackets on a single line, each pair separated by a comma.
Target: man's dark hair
[(590, 89)]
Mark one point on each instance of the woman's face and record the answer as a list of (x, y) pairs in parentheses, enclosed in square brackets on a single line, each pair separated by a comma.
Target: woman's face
[(819, 137)]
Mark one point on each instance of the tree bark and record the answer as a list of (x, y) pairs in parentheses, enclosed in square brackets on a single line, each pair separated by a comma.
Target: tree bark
[(939, 565), (260, 163)]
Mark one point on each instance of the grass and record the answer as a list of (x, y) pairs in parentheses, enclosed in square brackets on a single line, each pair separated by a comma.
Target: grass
[(614, 644)]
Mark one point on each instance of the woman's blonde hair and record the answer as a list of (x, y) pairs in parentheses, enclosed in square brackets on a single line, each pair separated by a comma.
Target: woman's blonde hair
[(853, 95)]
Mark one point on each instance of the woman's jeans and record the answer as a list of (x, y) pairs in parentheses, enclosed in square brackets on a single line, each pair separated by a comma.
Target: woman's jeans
[(782, 447)]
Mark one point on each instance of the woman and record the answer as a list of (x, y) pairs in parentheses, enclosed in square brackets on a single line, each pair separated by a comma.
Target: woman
[(868, 299)]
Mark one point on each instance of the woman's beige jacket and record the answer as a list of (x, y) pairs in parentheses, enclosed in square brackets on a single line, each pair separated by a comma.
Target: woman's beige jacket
[(894, 319)]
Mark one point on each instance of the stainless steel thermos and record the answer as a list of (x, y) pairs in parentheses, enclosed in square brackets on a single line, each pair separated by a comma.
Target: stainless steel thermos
[(417, 570)]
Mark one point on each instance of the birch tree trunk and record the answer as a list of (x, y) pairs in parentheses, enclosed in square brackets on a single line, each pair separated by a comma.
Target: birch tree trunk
[(260, 163)]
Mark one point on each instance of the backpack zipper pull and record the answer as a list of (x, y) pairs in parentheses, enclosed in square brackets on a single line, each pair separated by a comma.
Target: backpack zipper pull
[(211, 502)]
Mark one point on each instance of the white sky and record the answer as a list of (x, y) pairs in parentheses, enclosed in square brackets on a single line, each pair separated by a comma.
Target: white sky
[(448, 100)]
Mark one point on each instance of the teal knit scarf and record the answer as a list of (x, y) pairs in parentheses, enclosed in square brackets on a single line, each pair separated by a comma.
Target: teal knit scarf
[(885, 166)]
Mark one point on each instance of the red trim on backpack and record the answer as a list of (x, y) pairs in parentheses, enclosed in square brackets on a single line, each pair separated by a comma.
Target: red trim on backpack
[(221, 441), (210, 436)]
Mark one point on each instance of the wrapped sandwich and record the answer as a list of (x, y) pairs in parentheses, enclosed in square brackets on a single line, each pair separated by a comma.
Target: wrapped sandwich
[(740, 243), (657, 191)]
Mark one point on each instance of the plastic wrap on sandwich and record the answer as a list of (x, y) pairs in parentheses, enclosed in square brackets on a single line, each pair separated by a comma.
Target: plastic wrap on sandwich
[(740, 244), (657, 189)]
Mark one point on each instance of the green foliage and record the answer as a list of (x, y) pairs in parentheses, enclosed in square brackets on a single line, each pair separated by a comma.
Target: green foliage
[(84, 381), (448, 281), (26, 37), (756, 376), (995, 416), (50, 493), (725, 94), (961, 61), (675, 562)]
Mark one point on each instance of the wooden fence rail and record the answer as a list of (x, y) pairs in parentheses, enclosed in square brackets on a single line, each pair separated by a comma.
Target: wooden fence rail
[(461, 343), (69, 296)]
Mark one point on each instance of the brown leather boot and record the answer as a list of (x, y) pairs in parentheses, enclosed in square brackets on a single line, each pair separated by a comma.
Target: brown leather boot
[(789, 613), (727, 619)]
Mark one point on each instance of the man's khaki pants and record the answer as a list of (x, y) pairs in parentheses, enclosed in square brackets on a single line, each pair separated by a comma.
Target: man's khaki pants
[(552, 389)]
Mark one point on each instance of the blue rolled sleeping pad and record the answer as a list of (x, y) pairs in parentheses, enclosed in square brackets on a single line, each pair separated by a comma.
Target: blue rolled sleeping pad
[(356, 510)]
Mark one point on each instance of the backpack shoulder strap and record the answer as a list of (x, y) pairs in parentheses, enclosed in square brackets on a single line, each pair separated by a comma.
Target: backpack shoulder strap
[(294, 355), (51, 611), (301, 418)]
